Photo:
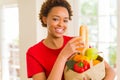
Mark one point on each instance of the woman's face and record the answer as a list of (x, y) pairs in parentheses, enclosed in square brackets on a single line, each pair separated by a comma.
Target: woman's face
[(57, 21)]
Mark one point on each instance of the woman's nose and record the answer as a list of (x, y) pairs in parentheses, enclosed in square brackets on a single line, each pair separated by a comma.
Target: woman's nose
[(61, 23)]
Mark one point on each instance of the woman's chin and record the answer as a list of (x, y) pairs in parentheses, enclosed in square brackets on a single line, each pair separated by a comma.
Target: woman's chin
[(59, 35)]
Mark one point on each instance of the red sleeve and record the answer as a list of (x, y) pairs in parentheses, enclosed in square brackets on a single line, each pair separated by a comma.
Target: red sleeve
[(33, 66)]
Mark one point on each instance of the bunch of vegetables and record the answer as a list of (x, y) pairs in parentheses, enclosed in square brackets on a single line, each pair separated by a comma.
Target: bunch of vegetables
[(85, 64), (80, 63)]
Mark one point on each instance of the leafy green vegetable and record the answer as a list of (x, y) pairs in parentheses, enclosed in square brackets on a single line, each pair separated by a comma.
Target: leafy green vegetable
[(70, 64)]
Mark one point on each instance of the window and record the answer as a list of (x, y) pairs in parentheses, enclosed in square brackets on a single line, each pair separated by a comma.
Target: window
[(101, 18), (10, 36)]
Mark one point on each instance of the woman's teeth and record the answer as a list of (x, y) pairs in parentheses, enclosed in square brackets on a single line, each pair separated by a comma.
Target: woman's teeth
[(59, 30)]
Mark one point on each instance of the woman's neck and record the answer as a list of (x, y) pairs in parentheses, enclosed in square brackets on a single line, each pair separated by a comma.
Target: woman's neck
[(54, 43)]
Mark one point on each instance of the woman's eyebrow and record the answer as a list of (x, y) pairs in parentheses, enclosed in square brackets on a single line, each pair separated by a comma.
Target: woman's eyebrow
[(59, 16)]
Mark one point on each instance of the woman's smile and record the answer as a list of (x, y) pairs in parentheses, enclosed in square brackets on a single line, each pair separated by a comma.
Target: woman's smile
[(59, 30)]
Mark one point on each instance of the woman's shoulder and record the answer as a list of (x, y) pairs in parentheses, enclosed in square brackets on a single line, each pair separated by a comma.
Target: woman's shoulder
[(35, 47)]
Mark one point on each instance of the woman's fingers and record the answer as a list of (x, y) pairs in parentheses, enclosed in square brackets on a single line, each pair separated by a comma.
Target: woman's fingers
[(77, 44), (76, 39)]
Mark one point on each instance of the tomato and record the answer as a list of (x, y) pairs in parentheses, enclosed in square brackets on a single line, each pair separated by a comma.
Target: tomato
[(81, 66)]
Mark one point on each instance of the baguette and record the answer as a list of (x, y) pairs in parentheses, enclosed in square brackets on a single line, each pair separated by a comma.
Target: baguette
[(84, 35)]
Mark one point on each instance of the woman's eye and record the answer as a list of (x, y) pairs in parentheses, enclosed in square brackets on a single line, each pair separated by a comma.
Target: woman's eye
[(66, 21), (55, 19)]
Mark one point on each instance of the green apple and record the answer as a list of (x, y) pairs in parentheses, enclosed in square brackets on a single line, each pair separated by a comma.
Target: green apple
[(91, 53)]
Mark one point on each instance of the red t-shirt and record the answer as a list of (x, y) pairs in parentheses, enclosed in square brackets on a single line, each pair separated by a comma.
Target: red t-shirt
[(40, 58)]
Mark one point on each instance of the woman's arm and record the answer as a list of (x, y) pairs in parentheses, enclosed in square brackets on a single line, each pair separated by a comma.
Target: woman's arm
[(110, 73), (55, 74), (58, 68)]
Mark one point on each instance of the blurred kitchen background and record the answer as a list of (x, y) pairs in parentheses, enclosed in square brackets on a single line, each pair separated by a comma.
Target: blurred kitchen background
[(20, 28)]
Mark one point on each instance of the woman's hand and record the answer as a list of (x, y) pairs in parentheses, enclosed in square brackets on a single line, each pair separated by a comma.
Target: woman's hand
[(72, 46), (110, 73)]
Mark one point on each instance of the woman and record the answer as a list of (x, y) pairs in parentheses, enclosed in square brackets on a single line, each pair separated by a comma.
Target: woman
[(46, 59)]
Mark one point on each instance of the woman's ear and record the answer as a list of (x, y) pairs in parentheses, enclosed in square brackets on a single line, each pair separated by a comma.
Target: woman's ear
[(44, 19)]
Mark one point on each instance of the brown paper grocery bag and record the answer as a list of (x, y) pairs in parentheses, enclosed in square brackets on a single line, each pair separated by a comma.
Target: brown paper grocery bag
[(96, 72)]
